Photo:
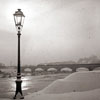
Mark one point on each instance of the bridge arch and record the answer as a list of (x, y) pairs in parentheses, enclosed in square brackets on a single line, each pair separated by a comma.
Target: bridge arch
[(39, 70), (66, 70), (52, 70), (27, 70), (82, 69), (97, 69)]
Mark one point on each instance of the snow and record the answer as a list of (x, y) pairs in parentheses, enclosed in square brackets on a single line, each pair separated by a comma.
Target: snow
[(77, 86), (79, 81), (87, 95)]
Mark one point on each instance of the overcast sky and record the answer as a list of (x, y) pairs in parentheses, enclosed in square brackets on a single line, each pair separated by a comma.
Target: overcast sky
[(54, 30)]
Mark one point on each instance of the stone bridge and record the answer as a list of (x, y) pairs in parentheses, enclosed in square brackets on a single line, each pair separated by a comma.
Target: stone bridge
[(74, 67)]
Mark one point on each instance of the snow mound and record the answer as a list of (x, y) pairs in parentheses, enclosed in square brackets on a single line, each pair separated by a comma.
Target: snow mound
[(84, 76), (76, 82), (86, 95)]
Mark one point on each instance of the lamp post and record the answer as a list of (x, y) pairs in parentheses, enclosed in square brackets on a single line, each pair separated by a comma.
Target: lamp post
[(19, 20)]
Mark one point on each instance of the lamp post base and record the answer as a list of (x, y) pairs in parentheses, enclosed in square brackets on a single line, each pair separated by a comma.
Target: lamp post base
[(18, 89)]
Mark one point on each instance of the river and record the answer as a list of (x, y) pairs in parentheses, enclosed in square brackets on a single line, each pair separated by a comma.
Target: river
[(30, 84)]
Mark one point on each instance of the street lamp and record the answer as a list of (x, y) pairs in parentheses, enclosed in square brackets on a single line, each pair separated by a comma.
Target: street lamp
[(19, 20)]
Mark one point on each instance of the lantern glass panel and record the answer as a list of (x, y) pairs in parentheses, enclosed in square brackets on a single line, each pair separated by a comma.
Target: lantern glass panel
[(19, 19)]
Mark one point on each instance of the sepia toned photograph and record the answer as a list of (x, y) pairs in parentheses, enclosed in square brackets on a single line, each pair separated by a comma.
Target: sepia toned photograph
[(49, 49)]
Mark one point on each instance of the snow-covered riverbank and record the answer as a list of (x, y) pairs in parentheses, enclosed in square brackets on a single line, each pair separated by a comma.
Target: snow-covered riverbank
[(77, 86)]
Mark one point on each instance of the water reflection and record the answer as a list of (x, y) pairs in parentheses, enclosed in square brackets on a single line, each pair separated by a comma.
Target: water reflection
[(8, 86), (25, 83)]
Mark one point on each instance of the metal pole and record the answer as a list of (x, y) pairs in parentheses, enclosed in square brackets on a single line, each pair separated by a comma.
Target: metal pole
[(18, 70), (18, 81)]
